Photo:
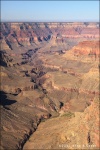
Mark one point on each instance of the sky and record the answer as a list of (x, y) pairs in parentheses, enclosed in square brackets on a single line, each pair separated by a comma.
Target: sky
[(49, 11)]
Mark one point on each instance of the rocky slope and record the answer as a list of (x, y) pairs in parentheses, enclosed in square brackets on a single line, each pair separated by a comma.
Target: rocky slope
[(49, 70), (69, 131)]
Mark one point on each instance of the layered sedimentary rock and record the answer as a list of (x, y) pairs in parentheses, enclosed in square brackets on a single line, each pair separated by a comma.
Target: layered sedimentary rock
[(49, 70), (87, 48), (23, 34)]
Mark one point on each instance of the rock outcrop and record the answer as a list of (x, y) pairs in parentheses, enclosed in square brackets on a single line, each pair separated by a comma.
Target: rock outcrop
[(26, 34), (49, 70), (69, 131)]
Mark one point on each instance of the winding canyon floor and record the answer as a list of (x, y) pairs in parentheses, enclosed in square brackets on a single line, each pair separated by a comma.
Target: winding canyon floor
[(49, 86)]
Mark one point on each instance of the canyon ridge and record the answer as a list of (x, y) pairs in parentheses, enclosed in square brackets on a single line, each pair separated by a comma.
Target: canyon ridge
[(49, 85)]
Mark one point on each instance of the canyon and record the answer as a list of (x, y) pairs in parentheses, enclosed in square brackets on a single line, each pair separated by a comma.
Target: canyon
[(49, 94)]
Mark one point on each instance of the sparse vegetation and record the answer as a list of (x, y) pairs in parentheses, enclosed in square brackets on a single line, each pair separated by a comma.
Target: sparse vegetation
[(68, 114)]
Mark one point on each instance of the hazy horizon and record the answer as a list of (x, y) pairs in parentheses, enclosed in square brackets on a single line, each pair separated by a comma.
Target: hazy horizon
[(50, 11)]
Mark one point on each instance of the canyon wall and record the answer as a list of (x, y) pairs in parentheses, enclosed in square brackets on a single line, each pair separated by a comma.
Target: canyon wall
[(24, 34), (48, 70)]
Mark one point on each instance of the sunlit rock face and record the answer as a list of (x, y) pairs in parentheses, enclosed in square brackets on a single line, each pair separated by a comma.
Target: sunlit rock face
[(49, 70), (24, 34)]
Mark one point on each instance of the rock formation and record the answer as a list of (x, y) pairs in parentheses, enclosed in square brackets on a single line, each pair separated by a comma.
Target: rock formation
[(49, 77)]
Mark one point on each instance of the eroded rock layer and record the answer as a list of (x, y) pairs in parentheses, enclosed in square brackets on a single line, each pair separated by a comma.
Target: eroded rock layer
[(49, 70)]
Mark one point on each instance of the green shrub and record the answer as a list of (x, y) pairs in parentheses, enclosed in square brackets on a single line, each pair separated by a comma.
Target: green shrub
[(69, 114)]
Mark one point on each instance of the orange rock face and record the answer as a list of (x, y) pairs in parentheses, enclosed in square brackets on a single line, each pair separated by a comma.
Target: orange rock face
[(87, 48)]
